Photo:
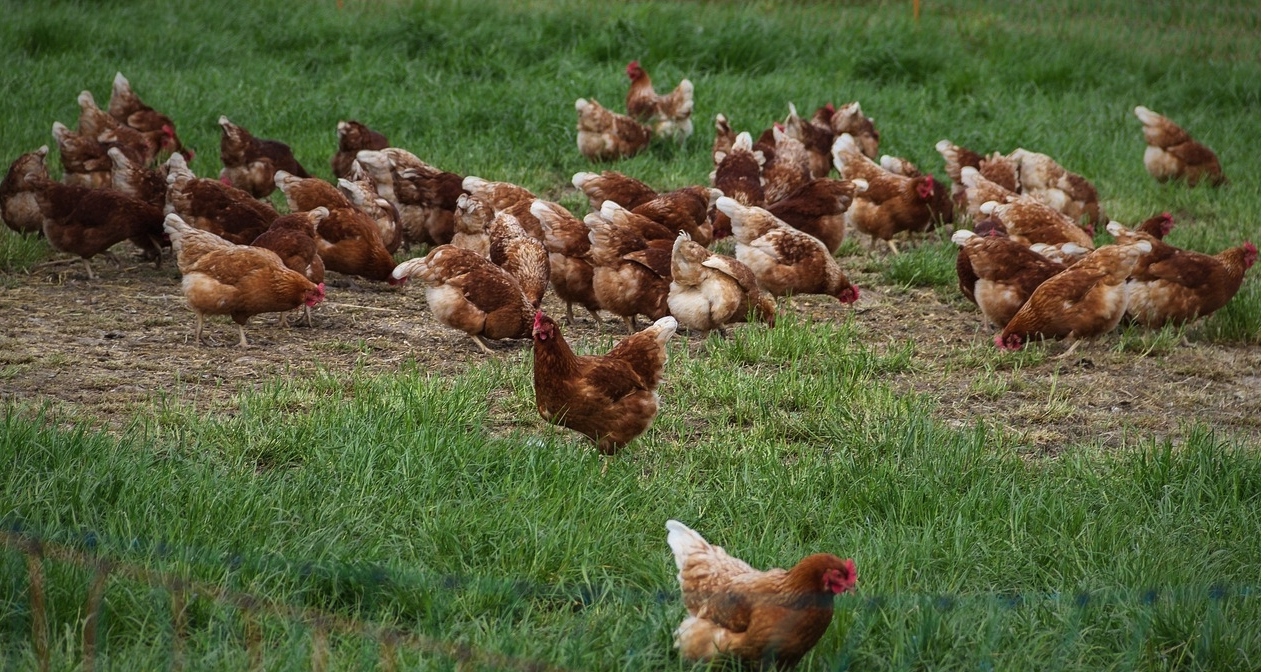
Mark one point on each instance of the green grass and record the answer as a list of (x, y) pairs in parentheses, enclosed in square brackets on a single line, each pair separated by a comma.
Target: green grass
[(446, 506)]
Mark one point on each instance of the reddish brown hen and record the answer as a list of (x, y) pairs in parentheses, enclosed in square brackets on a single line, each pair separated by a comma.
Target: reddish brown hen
[(1172, 154), (353, 136), (250, 164), (668, 115)]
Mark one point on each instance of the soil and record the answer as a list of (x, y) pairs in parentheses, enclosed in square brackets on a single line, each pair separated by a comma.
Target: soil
[(104, 350)]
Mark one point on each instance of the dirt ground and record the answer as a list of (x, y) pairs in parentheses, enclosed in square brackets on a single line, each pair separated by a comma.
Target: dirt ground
[(100, 350)]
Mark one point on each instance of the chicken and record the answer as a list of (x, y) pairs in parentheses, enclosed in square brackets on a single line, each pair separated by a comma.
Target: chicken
[(213, 206), (127, 108), (87, 222), (784, 259), (1176, 286), (724, 137), (292, 238), (136, 179), (250, 164), (241, 281), (465, 291), (19, 204), (708, 290), (1029, 221), (656, 235), (669, 115), (765, 618), (685, 209), (979, 190), (84, 161), (350, 243), (433, 193), (1064, 253), (1172, 154), (611, 185), (818, 208), (521, 254), (472, 217), (850, 119), (995, 168), (609, 398), (93, 121), (629, 277), (787, 168), (353, 136), (363, 194), (506, 197), (1007, 273), (418, 208), (1083, 301), (817, 136), (309, 193), (891, 203), (963, 265), (738, 176), (899, 166), (604, 135), (1044, 179), (568, 244)]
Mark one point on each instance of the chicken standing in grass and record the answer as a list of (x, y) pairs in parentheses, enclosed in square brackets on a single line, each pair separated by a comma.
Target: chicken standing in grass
[(1172, 154), (767, 618)]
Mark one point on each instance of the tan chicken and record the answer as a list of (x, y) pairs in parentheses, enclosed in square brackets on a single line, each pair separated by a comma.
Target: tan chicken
[(1029, 221), (818, 208), (472, 217), (611, 185), (604, 135), (629, 277), (522, 255), (19, 204), (250, 164), (1172, 153), (1175, 286), (609, 398), (240, 281), (1085, 300), (891, 203), (669, 115), (211, 205), (708, 291), (353, 136), (784, 259), (769, 619), (363, 194), (850, 119), (465, 291), (1044, 179), (568, 244), (1007, 273)]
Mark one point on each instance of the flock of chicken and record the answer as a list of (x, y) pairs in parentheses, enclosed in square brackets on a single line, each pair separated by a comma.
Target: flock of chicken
[(495, 248)]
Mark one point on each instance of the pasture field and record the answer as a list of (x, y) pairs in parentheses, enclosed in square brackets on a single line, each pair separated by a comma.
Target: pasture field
[(1005, 511)]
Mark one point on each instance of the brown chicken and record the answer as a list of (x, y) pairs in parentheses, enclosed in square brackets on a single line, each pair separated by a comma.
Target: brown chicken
[(434, 194), (685, 209), (309, 193), (818, 208), (292, 238), (787, 168), (1172, 153), (1064, 253), (1044, 179), (241, 281), (708, 291), (84, 161), (87, 222), (353, 136), (465, 291), (417, 210), (1083, 301), (669, 115), (1175, 286), (522, 255), (850, 119), (963, 266), (724, 138), (996, 168), (609, 398), (211, 205), (611, 185), (127, 108), (738, 176), (472, 218), (568, 244), (136, 179), (767, 619), (629, 276), (979, 190), (1007, 273), (363, 194), (506, 197), (891, 203), (250, 164), (19, 204), (784, 259), (350, 243), (817, 136), (604, 135), (1029, 221), (656, 235)]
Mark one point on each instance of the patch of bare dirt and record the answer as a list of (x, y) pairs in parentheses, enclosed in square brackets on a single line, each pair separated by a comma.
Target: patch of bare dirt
[(101, 350)]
